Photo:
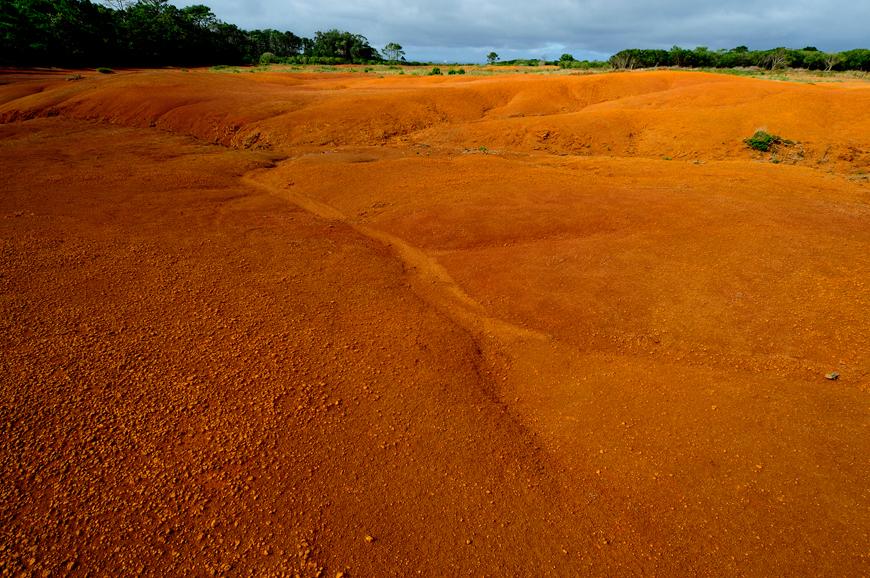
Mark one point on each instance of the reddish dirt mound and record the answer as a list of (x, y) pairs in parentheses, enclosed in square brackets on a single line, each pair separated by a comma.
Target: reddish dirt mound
[(500, 325)]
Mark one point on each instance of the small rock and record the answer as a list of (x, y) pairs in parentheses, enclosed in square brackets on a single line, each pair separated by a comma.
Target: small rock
[(833, 376), (369, 538)]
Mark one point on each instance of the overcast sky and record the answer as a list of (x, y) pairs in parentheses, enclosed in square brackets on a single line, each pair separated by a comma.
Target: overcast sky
[(465, 31)]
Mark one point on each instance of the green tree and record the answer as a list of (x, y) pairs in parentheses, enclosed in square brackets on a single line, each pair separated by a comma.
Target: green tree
[(680, 56), (857, 59), (273, 41), (393, 52), (623, 60), (54, 32), (342, 46), (831, 60), (777, 59), (491, 58)]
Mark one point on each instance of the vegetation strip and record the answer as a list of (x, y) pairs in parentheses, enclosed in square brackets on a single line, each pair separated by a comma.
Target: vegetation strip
[(79, 33)]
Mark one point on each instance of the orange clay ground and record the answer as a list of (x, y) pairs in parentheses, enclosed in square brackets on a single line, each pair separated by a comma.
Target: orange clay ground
[(268, 324)]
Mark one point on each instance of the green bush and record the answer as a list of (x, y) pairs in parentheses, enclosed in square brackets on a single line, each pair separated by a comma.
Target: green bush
[(456, 71), (104, 70), (762, 141), (268, 58), (435, 72)]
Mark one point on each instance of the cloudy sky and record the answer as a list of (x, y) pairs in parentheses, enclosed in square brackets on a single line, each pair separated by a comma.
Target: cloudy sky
[(465, 30)]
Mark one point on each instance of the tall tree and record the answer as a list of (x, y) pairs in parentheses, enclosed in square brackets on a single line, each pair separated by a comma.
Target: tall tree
[(393, 52)]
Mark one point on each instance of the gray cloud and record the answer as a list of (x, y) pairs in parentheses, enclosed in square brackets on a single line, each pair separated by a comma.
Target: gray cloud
[(464, 31)]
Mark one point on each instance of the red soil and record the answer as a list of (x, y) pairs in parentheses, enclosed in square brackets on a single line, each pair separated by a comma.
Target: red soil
[(489, 325)]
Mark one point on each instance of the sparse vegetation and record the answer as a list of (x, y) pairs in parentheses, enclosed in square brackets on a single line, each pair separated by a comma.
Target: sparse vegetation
[(765, 142), (435, 72), (762, 141), (104, 70)]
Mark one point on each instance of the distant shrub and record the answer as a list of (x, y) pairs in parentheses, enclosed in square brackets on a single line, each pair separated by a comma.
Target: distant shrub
[(104, 70), (268, 58), (456, 71), (581, 64), (435, 72), (763, 141)]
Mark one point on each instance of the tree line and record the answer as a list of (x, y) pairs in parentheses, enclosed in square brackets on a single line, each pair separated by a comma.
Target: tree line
[(810, 58), (79, 33)]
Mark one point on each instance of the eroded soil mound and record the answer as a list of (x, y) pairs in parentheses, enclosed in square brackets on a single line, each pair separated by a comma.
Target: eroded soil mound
[(502, 325)]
